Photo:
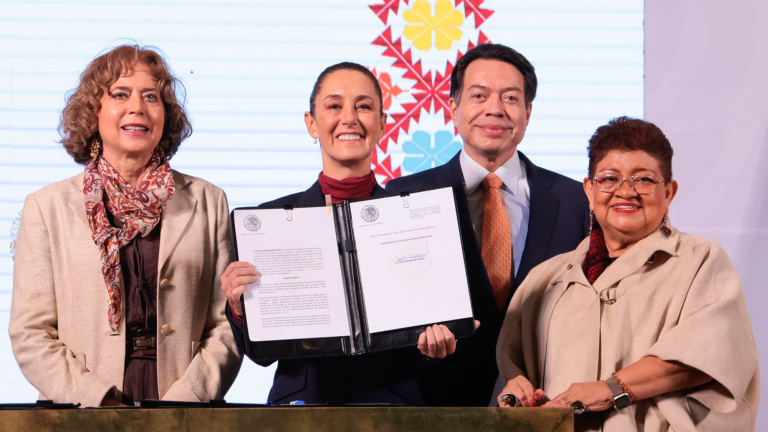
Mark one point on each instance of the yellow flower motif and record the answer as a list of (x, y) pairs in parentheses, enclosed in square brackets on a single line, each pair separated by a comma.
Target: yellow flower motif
[(445, 23)]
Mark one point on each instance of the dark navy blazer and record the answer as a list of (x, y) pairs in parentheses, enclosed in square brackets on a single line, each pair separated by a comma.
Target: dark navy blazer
[(385, 377), (558, 221)]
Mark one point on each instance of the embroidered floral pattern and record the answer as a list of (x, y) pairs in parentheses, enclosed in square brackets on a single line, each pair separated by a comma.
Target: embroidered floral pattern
[(137, 208), (422, 155), (387, 89), (444, 24), (419, 91)]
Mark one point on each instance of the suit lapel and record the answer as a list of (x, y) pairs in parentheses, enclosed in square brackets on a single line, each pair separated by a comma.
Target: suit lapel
[(78, 205), (643, 252), (541, 222), (379, 192), (312, 196), (176, 217), (452, 175)]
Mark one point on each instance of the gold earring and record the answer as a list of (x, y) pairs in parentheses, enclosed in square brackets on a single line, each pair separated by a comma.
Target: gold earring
[(95, 146)]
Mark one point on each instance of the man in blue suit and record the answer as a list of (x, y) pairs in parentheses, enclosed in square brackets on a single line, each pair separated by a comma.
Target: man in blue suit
[(513, 214)]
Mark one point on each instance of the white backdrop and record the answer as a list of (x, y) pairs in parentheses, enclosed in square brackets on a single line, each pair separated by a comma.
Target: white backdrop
[(706, 88), (249, 66)]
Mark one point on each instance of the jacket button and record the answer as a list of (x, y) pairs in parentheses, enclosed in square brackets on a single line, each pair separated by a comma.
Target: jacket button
[(165, 329), (165, 283), (570, 266)]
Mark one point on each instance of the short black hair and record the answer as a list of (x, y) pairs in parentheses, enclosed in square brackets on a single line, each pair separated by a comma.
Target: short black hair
[(495, 52), (626, 134), (345, 66)]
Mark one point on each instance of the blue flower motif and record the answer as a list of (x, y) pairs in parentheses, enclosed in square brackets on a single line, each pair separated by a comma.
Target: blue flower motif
[(422, 155)]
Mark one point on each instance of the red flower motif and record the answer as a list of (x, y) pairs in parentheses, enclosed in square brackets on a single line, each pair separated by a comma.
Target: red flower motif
[(388, 91)]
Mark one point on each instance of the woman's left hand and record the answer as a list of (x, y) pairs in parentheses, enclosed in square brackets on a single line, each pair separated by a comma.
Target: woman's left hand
[(596, 396)]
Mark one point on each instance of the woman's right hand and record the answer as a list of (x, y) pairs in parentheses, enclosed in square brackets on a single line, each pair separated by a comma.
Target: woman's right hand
[(234, 283), (523, 390)]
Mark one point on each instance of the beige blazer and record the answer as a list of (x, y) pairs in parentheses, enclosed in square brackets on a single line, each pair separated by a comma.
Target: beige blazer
[(677, 299), (59, 329)]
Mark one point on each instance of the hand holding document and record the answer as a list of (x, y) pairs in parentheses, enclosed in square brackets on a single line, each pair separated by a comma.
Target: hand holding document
[(234, 283), (300, 292), (370, 275), (411, 262)]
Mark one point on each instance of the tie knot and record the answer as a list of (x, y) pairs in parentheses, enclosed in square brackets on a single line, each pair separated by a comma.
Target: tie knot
[(492, 181)]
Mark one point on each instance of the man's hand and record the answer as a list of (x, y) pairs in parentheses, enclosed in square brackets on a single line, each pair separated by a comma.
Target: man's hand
[(438, 342)]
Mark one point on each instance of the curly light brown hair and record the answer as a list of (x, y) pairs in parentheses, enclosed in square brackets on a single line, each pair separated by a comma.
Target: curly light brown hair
[(79, 119)]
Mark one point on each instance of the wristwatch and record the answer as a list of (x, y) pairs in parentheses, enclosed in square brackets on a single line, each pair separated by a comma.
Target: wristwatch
[(621, 398)]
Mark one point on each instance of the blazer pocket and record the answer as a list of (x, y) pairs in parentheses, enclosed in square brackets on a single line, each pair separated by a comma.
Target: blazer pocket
[(195, 347)]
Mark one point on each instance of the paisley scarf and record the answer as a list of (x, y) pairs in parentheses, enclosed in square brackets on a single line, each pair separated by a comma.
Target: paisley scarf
[(596, 260), (137, 208)]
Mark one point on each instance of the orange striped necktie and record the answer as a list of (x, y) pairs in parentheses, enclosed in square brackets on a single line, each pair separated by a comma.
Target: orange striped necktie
[(497, 240)]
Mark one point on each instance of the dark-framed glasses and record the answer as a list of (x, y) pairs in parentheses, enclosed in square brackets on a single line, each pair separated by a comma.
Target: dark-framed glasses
[(642, 184)]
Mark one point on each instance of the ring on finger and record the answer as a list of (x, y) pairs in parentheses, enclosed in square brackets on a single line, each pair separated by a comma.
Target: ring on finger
[(509, 399), (578, 407)]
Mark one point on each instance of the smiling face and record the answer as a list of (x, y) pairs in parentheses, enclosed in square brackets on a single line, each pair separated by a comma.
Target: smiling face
[(491, 114), (347, 122), (132, 116), (625, 216)]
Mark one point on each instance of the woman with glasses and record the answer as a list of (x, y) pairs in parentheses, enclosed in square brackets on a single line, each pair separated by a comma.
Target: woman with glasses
[(642, 327)]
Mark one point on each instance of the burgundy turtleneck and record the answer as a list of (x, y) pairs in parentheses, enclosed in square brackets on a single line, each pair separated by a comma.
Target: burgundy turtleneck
[(348, 188)]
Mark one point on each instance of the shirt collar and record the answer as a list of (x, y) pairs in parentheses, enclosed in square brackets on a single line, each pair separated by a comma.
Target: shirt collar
[(510, 173), (644, 251)]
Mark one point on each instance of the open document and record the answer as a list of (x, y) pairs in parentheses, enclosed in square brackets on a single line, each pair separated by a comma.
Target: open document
[(352, 277), (411, 261), (300, 292)]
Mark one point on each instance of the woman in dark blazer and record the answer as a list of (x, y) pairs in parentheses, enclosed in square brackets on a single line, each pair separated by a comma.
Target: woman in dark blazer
[(347, 118)]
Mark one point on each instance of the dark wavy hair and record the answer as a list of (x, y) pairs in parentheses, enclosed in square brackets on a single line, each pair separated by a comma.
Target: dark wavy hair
[(495, 52), (78, 126), (630, 134), (345, 66)]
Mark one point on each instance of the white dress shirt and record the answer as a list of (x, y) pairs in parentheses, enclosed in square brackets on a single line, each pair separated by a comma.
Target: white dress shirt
[(515, 193)]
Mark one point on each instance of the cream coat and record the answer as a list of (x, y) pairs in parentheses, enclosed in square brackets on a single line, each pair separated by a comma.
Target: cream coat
[(677, 299), (59, 329)]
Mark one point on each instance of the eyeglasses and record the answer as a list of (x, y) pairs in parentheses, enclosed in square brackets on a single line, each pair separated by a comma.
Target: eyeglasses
[(642, 184)]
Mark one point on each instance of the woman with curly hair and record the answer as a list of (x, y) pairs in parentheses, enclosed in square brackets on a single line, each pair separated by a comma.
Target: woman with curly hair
[(115, 291), (642, 327)]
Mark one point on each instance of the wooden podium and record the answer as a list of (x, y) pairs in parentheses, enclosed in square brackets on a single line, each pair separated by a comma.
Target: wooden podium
[(310, 419)]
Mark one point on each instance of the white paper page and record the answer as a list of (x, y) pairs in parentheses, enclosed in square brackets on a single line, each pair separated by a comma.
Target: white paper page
[(300, 293), (411, 262)]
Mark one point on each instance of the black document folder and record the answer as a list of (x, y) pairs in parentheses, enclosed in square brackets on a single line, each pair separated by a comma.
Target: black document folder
[(354, 277)]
